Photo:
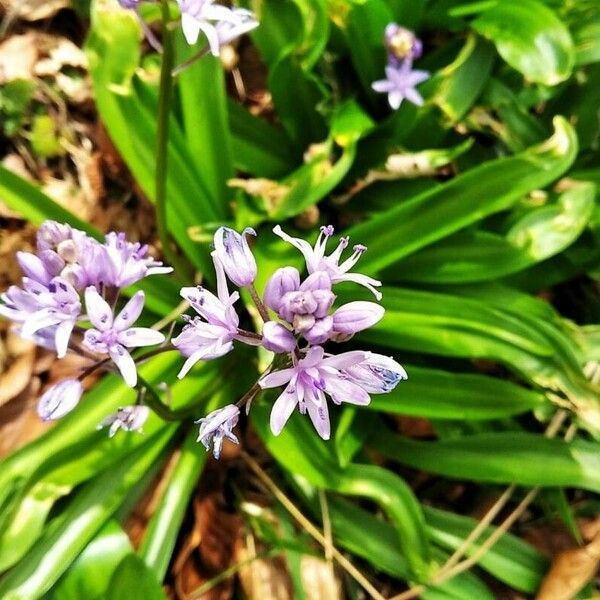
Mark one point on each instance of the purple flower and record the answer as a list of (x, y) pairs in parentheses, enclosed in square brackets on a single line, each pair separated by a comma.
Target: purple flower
[(402, 44), (219, 24), (218, 425), (38, 307), (127, 261), (235, 255), (400, 83), (377, 374), (59, 399), (284, 280), (307, 383), (278, 338), (127, 418), (317, 261), (113, 336), (212, 337)]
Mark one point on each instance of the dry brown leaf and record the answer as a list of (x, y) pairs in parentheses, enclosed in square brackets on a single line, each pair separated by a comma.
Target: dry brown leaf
[(570, 571), (319, 579), (16, 378), (18, 55), (33, 10), (265, 578)]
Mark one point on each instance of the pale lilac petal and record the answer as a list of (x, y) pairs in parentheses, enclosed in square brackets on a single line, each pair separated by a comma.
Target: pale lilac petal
[(125, 363), (62, 337), (40, 320), (383, 86), (276, 379), (414, 96), (346, 391), (33, 267), (320, 332), (319, 280), (135, 337), (313, 357), (302, 245), (277, 338), (190, 27), (363, 280), (212, 37), (130, 313), (283, 409), (395, 99), (319, 415), (346, 359), (98, 310), (415, 77)]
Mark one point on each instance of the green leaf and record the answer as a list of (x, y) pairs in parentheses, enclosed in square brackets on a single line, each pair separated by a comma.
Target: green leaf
[(259, 148), (531, 38), (79, 523), (440, 394), (506, 457), (161, 534), (90, 575), (133, 580), (438, 212), (301, 451)]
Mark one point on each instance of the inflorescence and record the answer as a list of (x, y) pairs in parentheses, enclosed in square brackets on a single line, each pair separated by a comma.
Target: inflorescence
[(72, 285), (403, 48)]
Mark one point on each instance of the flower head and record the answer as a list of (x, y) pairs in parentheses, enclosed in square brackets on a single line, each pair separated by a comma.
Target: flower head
[(400, 84), (211, 335), (128, 262), (218, 425), (308, 382), (317, 261), (113, 335), (235, 255), (219, 24), (127, 418), (59, 399)]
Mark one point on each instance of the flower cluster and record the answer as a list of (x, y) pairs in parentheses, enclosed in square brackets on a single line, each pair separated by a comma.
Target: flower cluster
[(219, 24), (401, 79), (302, 320), (72, 281)]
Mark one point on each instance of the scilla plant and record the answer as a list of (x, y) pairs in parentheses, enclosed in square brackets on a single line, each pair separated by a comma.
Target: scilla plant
[(458, 143)]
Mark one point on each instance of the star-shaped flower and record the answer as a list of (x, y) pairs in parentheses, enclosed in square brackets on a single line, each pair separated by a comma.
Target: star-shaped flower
[(400, 84)]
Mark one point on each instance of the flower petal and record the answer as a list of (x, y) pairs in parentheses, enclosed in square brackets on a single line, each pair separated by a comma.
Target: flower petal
[(134, 337), (125, 364), (190, 27), (276, 379), (283, 409), (130, 313), (62, 336), (319, 415), (98, 310)]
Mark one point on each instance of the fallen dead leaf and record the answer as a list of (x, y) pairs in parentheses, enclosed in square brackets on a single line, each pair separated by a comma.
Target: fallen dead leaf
[(15, 379), (264, 578), (570, 571), (319, 579), (18, 55), (33, 10)]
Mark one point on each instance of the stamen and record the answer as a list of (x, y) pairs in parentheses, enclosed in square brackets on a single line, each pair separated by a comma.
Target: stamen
[(327, 230)]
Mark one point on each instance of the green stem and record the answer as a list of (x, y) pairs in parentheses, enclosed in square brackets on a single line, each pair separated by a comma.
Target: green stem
[(165, 94)]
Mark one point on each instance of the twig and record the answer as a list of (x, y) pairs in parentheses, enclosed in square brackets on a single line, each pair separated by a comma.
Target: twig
[(310, 528)]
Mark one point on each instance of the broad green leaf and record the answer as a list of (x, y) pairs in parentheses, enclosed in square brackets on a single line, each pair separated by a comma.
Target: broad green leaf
[(441, 394), (259, 148), (510, 559), (531, 38), (586, 36), (89, 576), (132, 574), (201, 94), (77, 526), (316, 30), (297, 95), (301, 451), (436, 213), (161, 534), (506, 457)]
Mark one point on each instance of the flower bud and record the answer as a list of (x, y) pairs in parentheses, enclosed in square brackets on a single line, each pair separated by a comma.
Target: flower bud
[(33, 267), (319, 280), (319, 333), (235, 255), (303, 323), (284, 280), (356, 316), (324, 300), (377, 374), (278, 338), (60, 399)]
